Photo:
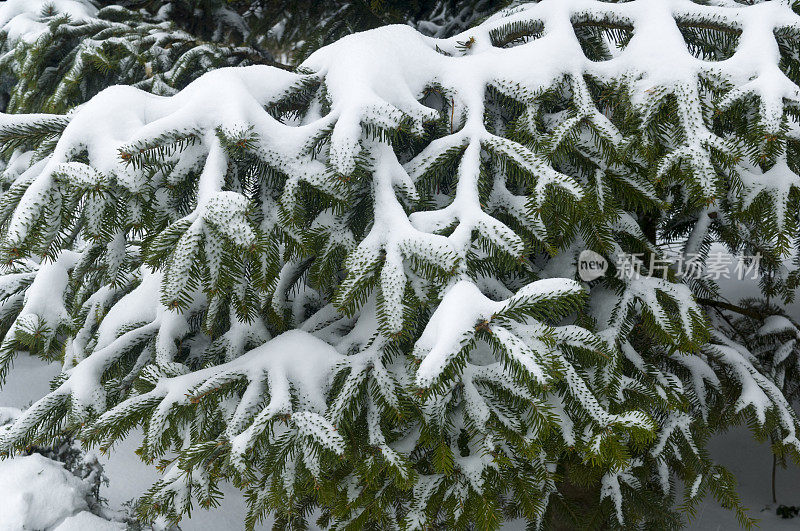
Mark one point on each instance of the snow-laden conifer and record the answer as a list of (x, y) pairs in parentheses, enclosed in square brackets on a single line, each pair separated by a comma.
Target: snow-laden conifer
[(351, 288), (55, 55)]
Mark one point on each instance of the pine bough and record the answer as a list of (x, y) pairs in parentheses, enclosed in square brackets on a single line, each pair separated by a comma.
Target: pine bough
[(54, 56), (349, 289)]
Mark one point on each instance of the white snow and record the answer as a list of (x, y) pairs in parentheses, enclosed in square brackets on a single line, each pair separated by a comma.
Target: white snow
[(22, 19), (86, 521), (37, 493), (377, 78)]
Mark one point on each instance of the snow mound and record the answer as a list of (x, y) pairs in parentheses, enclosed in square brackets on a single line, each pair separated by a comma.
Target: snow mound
[(87, 521), (38, 493)]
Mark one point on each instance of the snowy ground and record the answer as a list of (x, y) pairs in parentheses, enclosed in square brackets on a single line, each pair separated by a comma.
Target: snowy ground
[(751, 462)]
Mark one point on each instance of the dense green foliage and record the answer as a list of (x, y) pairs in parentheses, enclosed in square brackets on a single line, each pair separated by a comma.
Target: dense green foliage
[(350, 288)]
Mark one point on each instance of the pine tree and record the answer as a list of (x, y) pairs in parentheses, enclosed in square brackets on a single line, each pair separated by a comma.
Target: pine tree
[(74, 54), (210, 20), (351, 288), (293, 29)]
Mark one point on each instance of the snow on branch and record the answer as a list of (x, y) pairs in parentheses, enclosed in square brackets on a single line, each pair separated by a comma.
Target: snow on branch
[(362, 261)]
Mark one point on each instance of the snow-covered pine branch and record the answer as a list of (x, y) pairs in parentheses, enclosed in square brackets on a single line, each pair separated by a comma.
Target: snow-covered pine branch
[(60, 54), (351, 286)]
